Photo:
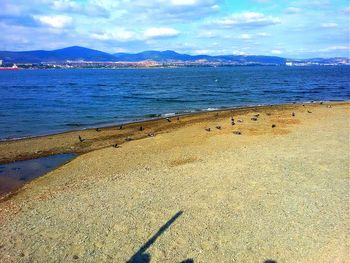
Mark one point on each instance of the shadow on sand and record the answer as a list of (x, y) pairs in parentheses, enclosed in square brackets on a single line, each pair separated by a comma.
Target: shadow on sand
[(141, 256)]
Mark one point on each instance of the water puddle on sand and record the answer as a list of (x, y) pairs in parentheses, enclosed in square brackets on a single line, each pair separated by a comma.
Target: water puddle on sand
[(16, 174)]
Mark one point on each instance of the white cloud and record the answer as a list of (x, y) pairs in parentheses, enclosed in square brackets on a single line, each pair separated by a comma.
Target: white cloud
[(245, 36), (59, 21), (276, 52), (329, 25), (248, 19), (293, 10), (263, 34), (335, 48), (159, 32), (120, 34), (184, 2), (346, 10)]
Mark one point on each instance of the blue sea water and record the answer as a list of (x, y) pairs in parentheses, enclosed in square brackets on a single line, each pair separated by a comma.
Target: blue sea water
[(37, 102)]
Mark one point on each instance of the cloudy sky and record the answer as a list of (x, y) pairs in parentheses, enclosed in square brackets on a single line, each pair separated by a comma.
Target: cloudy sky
[(298, 29)]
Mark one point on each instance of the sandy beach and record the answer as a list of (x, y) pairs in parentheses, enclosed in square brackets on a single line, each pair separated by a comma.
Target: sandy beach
[(273, 186)]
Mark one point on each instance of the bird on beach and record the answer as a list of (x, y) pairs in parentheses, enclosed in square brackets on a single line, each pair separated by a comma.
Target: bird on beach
[(233, 123), (232, 119), (116, 145), (150, 135), (237, 132), (268, 113), (321, 102), (178, 118), (121, 127), (168, 119), (98, 129), (254, 119), (218, 127), (141, 128), (293, 114), (128, 139), (329, 106), (309, 111), (208, 129), (81, 139), (239, 120), (257, 115), (273, 125)]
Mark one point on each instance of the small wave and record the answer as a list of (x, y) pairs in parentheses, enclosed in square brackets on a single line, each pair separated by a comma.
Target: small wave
[(170, 114)]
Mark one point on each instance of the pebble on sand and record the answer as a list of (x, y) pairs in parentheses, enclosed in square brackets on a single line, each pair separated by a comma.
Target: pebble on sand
[(237, 132)]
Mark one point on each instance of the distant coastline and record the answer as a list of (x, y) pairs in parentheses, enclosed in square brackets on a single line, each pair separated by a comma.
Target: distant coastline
[(81, 57)]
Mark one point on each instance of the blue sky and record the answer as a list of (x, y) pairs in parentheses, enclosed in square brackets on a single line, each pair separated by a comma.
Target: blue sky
[(297, 29)]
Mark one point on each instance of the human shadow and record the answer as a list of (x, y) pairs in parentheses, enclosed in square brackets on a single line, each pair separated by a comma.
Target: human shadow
[(141, 256)]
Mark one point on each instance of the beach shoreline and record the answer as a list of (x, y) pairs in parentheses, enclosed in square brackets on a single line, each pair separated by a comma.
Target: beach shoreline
[(273, 186), (68, 141)]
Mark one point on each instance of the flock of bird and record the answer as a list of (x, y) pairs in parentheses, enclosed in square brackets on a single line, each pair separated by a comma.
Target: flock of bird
[(141, 128)]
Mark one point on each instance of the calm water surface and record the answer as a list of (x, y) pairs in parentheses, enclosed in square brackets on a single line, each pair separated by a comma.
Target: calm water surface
[(36, 102), (14, 175)]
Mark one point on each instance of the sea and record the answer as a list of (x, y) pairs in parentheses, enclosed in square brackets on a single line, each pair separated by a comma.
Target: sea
[(40, 102)]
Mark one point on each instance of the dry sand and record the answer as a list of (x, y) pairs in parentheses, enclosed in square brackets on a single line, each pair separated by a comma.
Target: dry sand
[(277, 193)]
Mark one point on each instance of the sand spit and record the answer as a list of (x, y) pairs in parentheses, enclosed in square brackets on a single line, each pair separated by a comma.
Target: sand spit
[(93, 139), (275, 188)]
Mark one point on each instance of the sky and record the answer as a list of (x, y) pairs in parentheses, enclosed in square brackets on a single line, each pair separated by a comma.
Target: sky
[(292, 29)]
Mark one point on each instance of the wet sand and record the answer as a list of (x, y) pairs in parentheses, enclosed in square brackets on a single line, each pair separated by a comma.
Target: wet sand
[(271, 193)]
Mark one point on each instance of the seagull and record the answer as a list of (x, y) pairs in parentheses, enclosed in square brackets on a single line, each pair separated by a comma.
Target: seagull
[(128, 139), (207, 129), (98, 129), (121, 127), (273, 126), (239, 120), (141, 128), (168, 119), (254, 119), (257, 115), (237, 132), (218, 127), (293, 114), (81, 139), (151, 134), (233, 123), (116, 145), (309, 111), (178, 118)]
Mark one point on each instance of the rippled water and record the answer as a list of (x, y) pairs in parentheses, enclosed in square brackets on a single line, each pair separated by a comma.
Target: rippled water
[(35, 102)]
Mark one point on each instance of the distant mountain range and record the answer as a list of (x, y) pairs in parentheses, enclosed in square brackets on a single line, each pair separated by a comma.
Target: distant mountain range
[(77, 53)]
